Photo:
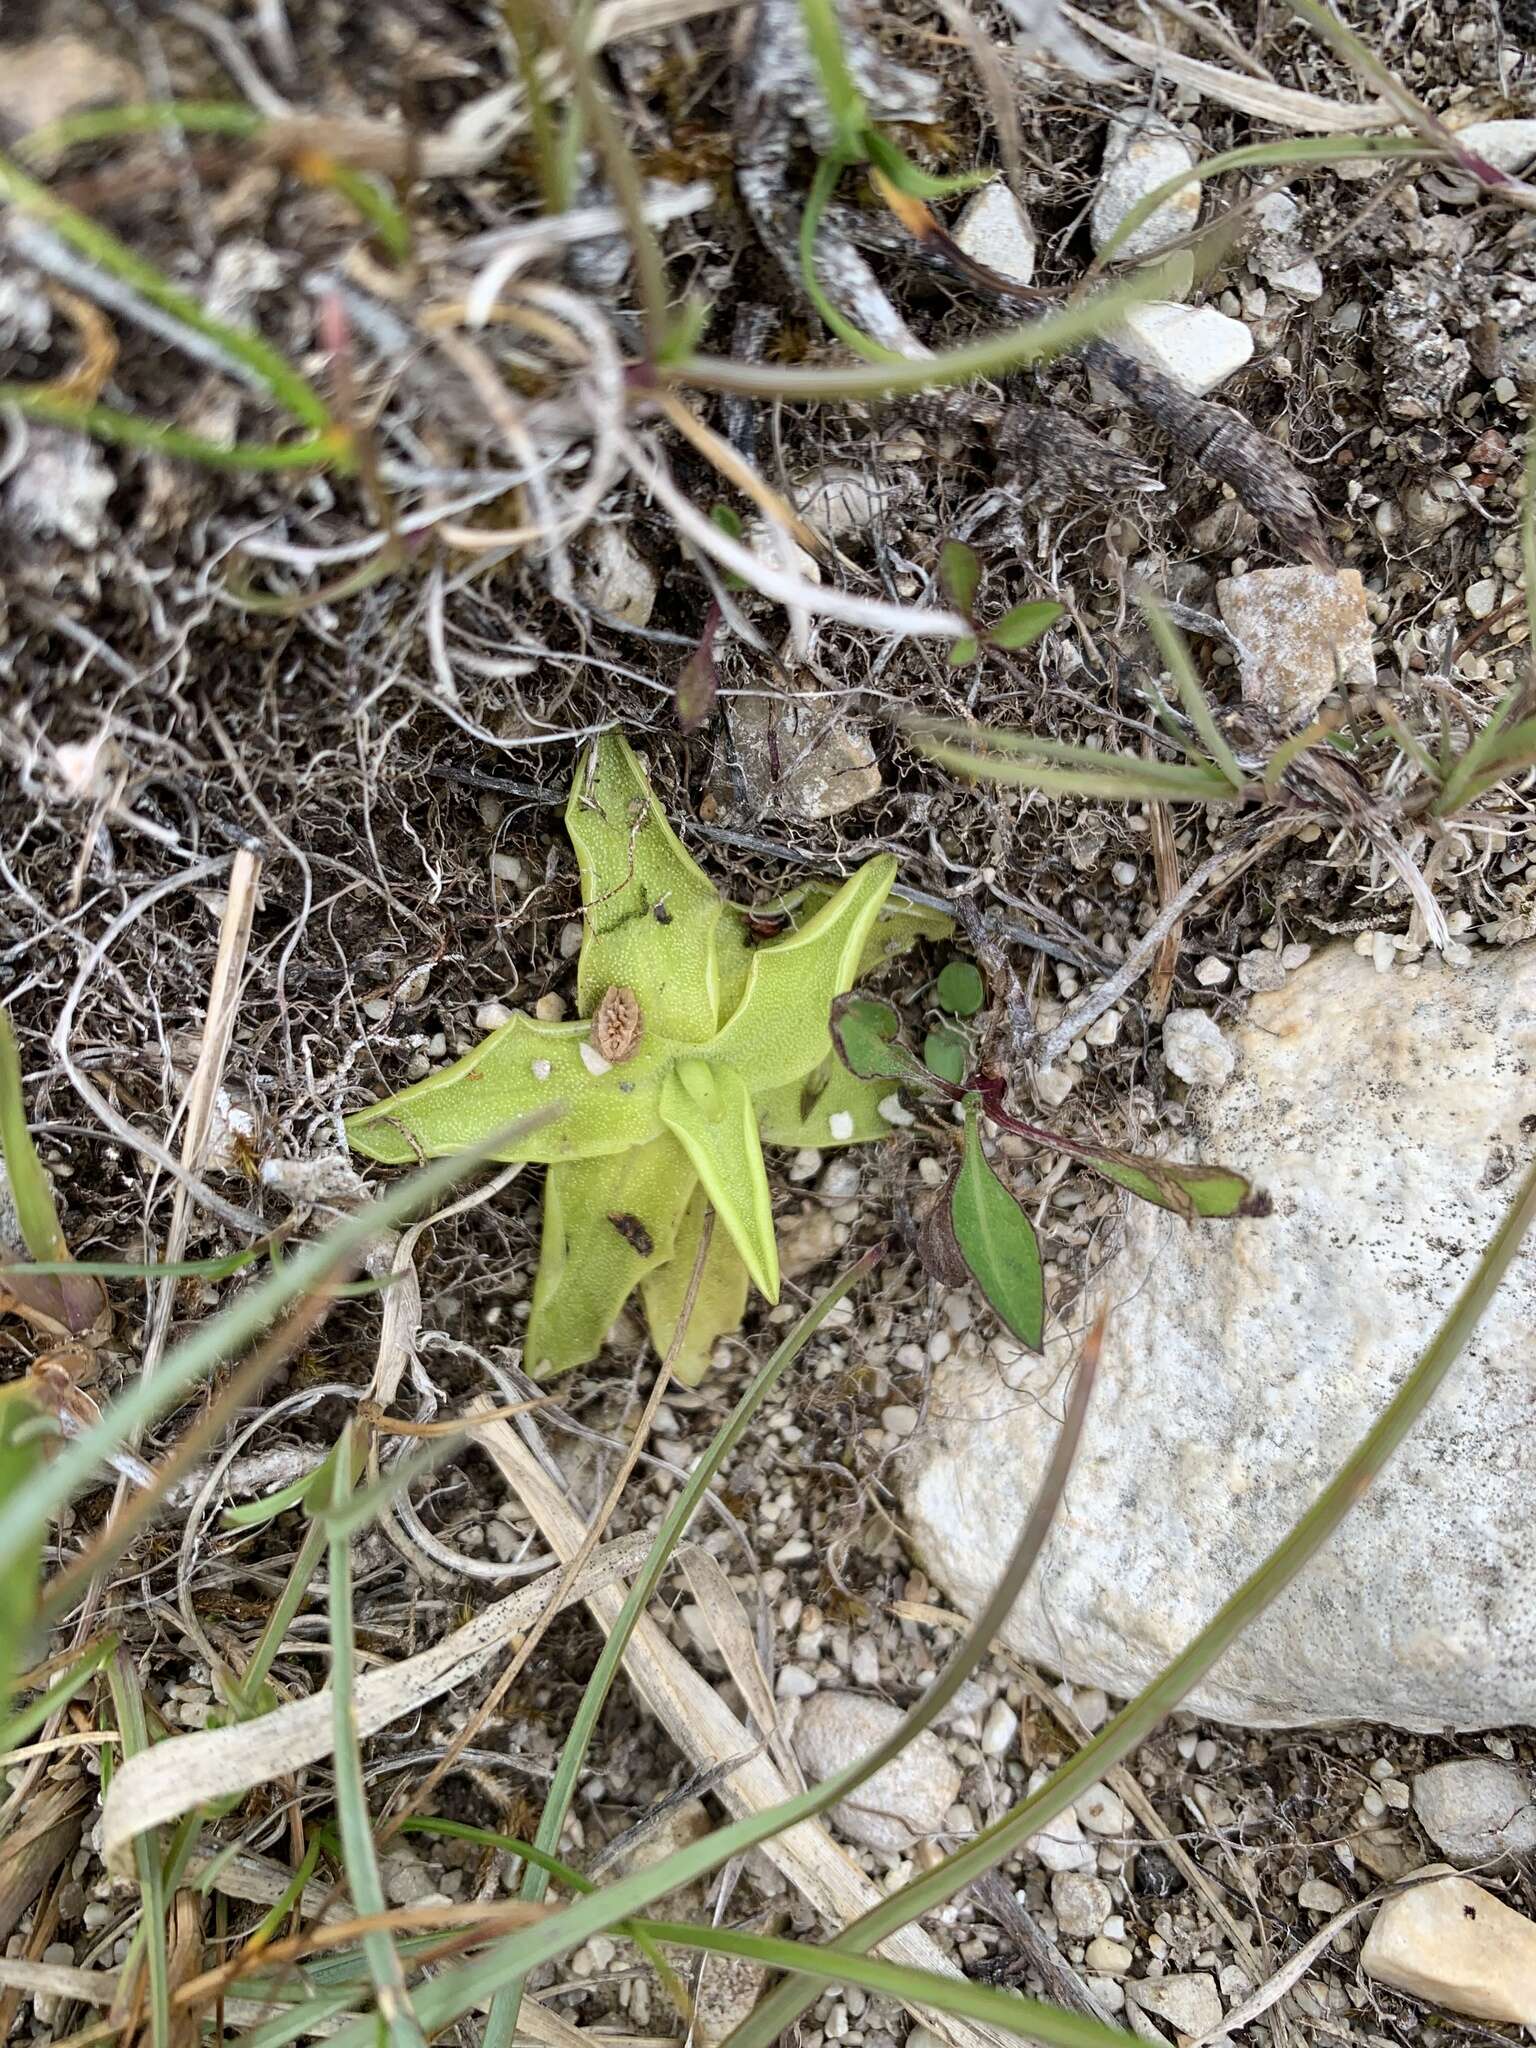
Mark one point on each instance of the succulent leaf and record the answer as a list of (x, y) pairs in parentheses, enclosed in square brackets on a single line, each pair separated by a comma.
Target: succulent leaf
[(608, 1222), (523, 1066), (779, 1030), (651, 911), (828, 1107), (724, 1041), (718, 1306), (708, 1109)]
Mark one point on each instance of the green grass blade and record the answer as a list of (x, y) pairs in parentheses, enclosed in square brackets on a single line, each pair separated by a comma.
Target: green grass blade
[(358, 1852), (300, 1578), (1170, 644), (501, 2026), (1023, 763), (844, 103), (27, 1720), (128, 1705), (1135, 1722), (1492, 740), (1300, 153), (1032, 341), (31, 1195), (316, 451), (25, 1512), (24, 1432), (140, 117), (1016, 2014), (823, 184), (573, 1880), (291, 390)]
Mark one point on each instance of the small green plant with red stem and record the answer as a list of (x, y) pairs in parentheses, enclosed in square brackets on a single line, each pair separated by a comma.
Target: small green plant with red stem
[(975, 1225)]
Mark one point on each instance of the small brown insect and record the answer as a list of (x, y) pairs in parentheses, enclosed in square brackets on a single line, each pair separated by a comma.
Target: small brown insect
[(634, 1233), (617, 1026)]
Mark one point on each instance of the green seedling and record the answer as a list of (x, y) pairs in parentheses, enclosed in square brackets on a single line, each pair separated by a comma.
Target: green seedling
[(701, 1036), (975, 1225), (960, 577)]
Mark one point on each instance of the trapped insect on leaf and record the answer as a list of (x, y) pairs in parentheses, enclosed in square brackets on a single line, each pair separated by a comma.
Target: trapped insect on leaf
[(702, 1036)]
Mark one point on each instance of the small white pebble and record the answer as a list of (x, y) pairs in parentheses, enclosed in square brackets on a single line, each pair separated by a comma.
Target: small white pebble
[(1100, 1811), (570, 939), (1211, 972), (1092, 1705), (898, 1419), (1396, 1794), (940, 1345), (865, 1664), (891, 1108), (1372, 1802), (999, 1729), (1482, 596), (1124, 873), (1107, 1958), (1104, 1030), (549, 1009), (593, 1060), (1297, 955), (930, 1172), (1054, 1084), (1206, 1754), (805, 1165), (491, 1016), (1318, 1896), (506, 867)]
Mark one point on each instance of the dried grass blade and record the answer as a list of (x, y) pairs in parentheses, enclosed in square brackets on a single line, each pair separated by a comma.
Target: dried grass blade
[(1302, 111), (221, 1763)]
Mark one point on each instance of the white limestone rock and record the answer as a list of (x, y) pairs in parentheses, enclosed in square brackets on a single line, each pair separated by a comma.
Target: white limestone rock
[(902, 1805), (1243, 1360), (1476, 1810), (1456, 1945), (1197, 346), (1195, 1049), (1507, 145), (1304, 633), (994, 229), (1141, 152)]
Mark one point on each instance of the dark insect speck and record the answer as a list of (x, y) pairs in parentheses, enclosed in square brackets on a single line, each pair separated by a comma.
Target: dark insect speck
[(660, 911), (1156, 1876), (634, 1233)]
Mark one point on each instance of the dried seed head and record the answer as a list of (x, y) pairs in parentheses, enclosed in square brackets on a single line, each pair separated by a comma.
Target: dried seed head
[(617, 1026)]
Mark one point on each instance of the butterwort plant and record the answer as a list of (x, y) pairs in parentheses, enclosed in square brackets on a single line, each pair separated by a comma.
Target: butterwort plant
[(702, 1035), (975, 1227)]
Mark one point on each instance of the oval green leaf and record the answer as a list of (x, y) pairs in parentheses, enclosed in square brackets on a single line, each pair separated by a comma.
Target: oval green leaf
[(959, 574), (946, 1052), (1023, 625), (997, 1240), (961, 990)]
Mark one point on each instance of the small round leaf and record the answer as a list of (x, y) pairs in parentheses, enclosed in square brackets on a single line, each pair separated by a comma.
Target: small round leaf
[(961, 990)]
